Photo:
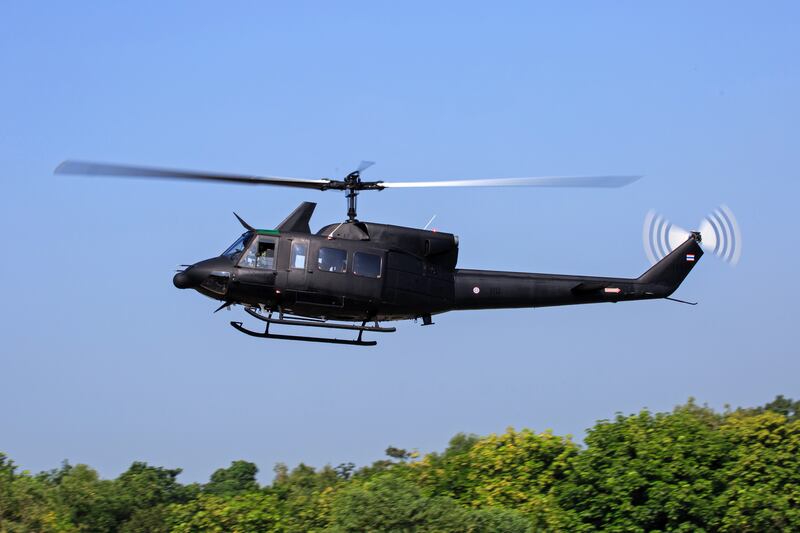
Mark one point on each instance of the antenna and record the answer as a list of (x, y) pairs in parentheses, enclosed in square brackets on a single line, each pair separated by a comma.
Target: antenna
[(429, 222)]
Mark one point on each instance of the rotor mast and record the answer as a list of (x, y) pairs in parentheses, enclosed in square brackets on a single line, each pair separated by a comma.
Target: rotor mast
[(352, 182)]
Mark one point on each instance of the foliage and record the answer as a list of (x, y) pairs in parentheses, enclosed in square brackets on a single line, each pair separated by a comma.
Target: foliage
[(692, 469), (784, 406), (761, 481), (305, 496), (390, 503), (515, 470), (28, 504), (252, 512), (648, 472), (238, 478)]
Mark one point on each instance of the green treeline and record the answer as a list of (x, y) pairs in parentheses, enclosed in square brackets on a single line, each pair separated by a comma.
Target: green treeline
[(692, 469)]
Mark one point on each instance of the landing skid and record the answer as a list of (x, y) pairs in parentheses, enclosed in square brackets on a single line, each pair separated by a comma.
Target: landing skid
[(313, 324)]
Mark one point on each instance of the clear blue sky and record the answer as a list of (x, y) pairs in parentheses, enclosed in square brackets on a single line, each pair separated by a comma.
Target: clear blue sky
[(105, 362)]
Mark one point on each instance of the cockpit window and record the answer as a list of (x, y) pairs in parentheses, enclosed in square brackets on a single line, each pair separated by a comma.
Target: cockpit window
[(237, 247), (261, 254)]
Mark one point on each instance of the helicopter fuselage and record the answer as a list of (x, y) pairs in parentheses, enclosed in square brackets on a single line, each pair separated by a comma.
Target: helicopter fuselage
[(349, 271), (363, 271)]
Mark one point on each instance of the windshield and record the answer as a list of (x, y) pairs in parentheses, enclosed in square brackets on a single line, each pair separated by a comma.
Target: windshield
[(237, 247)]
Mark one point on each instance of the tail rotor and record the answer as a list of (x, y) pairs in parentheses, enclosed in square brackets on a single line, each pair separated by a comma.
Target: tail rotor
[(719, 229)]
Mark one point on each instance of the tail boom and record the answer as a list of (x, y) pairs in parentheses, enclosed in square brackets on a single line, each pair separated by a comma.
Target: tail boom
[(488, 289)]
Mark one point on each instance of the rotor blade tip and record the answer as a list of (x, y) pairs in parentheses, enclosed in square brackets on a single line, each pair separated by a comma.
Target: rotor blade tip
[(631, 179), (61, 168), (364, 165)]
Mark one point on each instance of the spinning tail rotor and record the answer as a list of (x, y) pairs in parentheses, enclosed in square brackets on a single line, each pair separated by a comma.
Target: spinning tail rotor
[(719, 230)]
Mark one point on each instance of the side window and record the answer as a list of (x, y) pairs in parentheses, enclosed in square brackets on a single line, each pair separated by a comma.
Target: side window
[(332, 260), (261, 254), (299, 253), (367, 265)]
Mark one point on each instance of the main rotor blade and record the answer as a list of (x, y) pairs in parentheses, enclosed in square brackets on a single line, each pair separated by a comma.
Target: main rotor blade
[(546, 181), (107, 169)]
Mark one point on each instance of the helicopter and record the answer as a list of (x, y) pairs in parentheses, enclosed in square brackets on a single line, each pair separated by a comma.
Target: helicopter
[(353, 275)]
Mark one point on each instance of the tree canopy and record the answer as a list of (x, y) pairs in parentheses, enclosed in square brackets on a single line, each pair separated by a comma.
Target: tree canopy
[(691, 469)]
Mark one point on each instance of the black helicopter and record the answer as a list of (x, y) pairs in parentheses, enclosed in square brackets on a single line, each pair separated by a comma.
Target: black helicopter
[(357, 271)]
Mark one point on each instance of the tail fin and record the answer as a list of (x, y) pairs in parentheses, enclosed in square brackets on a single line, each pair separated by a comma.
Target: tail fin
[(667, 275)]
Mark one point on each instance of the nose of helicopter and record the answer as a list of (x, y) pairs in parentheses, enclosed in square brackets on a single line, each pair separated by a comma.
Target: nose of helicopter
[(182, 281), (189, 278), (202, 273)]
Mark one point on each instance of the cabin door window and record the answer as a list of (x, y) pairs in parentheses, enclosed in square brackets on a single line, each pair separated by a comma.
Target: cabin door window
[(299, 255)]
